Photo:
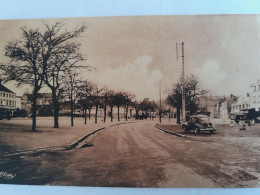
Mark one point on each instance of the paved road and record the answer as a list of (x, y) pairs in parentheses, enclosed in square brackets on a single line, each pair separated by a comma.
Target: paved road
[(137, 155)]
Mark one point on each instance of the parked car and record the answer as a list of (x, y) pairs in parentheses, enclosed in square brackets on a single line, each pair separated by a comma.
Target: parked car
[(249, 116), (198, 123), (243, 117), (5, 114)]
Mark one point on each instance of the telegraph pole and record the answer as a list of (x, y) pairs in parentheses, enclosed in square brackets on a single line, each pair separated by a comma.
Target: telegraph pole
[(183, 110), (160, 109)]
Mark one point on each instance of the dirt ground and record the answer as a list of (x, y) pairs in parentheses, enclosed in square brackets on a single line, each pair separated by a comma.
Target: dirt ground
[(138, 155), (229, 149), (16, 135)]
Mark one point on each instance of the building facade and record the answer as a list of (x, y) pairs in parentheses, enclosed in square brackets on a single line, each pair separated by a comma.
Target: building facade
[(209, 104), (254, 96), (250, 101), (7, 98)]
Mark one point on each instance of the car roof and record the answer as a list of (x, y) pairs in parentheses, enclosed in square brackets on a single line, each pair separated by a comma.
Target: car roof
[(199, 116)]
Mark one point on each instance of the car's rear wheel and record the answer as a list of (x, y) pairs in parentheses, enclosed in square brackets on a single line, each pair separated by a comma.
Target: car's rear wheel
[(197, 130)]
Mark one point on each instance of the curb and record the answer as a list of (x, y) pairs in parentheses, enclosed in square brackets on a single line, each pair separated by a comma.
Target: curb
[(35, 150), (76, 143), (170, 132)]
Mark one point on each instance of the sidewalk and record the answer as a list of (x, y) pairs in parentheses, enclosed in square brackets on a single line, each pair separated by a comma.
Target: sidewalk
[(172, 128), (16, 135)]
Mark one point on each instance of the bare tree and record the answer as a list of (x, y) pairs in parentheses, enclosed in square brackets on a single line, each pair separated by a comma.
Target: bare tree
[(44, 56), (119, 100), (111, 102), (192, 92), (72, 90), (151, 106), (25, 65), (96, 99), (105, 101), (128, 99), (86, 89), (136, 105), (60, 53)]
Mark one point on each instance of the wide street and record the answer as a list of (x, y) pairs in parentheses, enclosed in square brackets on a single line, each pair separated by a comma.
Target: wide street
[(138, 155)]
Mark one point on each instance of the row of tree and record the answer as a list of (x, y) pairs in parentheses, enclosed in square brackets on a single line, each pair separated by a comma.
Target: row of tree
[(46, 57), (88, 95), (51, 57)]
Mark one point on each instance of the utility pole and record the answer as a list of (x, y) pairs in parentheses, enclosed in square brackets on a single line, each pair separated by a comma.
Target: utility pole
[(160, 109), (183, 110)]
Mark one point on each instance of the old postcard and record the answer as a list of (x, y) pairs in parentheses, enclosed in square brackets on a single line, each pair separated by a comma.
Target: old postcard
[(134, 101)]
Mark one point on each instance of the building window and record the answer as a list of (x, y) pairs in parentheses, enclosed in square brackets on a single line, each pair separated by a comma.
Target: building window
[(239, 107), (254, 88), (3, 94), (243, 106)]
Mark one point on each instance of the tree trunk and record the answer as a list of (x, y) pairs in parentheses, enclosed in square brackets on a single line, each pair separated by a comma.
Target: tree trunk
[(55, 109), (126, 113), (169, 114), (71, 113), (160, 115), (136, 114), (111, 113), (34, 111), (85, 116), (178, 115), (105, 113), (96, 113), (89, 110), (118, 117)]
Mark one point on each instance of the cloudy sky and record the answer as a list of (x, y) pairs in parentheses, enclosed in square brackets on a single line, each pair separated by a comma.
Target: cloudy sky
[(134, 53)]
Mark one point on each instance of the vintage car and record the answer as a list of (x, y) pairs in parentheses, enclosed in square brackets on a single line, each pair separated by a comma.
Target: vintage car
[(249, 116), (198, 123), (5, 114)]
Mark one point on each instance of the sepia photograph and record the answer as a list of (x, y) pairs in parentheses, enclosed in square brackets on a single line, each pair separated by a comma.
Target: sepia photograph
[(158, 101)]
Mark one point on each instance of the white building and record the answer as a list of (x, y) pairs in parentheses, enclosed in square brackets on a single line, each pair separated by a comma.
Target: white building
[(251, 100), (7, 98), (254, 96), (241, 103)]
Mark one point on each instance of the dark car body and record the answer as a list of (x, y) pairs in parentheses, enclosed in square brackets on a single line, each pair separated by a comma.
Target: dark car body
[(5, 114), (199, 123), (247, 115)]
